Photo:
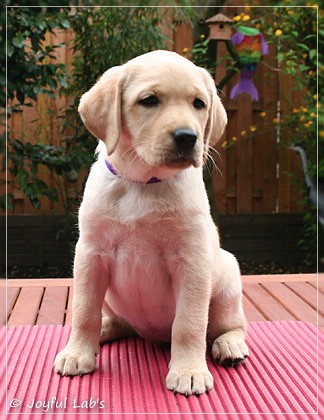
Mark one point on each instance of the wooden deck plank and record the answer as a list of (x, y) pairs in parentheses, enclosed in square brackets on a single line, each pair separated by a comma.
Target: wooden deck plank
[(320, 286), (267, 305), (305, 291), (251, 311), (52, 309), (3, 312), (12, 296), (291, 302), (26, 307), (278, 278), (308, 293), (39, 282)]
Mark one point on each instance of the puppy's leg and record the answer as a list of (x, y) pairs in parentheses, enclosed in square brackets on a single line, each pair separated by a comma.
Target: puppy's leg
[(79, 355), (112, 327), (226, 328), (188, 371)]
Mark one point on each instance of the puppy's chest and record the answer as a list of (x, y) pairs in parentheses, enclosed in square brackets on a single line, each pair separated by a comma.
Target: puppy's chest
[(140, 254), (140, 259), (139, 244)]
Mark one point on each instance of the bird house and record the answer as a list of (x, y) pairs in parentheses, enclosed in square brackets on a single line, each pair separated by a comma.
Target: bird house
[(220, 27)]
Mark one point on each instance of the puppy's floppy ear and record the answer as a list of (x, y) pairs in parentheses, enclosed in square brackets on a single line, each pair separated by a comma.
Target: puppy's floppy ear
[(217, 118), (100, 108)]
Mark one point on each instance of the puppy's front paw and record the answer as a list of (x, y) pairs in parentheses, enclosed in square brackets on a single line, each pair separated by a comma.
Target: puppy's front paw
[(189, 380), (229, 349), (72, 362)]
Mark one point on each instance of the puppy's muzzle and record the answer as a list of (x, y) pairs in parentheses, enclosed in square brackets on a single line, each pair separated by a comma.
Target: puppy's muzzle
[(185, 140)]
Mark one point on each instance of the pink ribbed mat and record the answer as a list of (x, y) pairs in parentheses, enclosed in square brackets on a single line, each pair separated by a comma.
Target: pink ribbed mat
[(280, 376)]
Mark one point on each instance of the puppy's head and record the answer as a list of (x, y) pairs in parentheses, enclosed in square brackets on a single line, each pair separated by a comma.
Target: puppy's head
[(158, 108)]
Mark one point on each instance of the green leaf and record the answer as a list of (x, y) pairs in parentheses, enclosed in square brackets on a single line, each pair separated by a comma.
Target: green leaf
[(65, 23), (50, 93), (10, 50), (35, 202), (18, 41), (22, 178), (37, 89), (280, 57), (42, 25), (6, 202), (303, 46), (312, 54), (51, 82)]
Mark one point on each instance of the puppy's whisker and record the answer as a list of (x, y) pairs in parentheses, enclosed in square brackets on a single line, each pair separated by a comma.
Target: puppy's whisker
[(207, 166), (215, 151), (131, 153), (211, 159), (218, 154), (209, 171)]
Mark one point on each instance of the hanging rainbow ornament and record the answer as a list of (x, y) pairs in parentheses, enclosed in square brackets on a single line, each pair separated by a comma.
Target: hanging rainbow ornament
[(250, 46)]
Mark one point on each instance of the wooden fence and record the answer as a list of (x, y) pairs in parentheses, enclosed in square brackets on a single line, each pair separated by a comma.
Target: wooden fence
[(254, 174), (259, 173)]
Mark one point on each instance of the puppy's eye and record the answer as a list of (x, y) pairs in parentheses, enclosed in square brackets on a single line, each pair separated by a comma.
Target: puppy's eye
[(151, 100), (199, 103)]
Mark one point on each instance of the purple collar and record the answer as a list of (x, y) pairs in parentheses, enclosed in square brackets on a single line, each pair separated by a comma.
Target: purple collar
[(153, 180)]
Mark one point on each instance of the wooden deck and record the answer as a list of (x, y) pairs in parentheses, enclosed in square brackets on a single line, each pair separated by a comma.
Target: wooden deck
[(266, 297)]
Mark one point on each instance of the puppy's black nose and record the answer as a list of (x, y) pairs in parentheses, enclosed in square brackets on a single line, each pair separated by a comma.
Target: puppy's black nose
[(185, 139)]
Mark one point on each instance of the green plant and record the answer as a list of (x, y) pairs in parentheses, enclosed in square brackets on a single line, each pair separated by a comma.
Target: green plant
[(31, 61), (294, 32), (32, 71), (201, 54), (103, 37)]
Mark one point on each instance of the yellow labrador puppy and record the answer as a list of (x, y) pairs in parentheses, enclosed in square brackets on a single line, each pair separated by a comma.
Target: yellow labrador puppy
[(148, 259)]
